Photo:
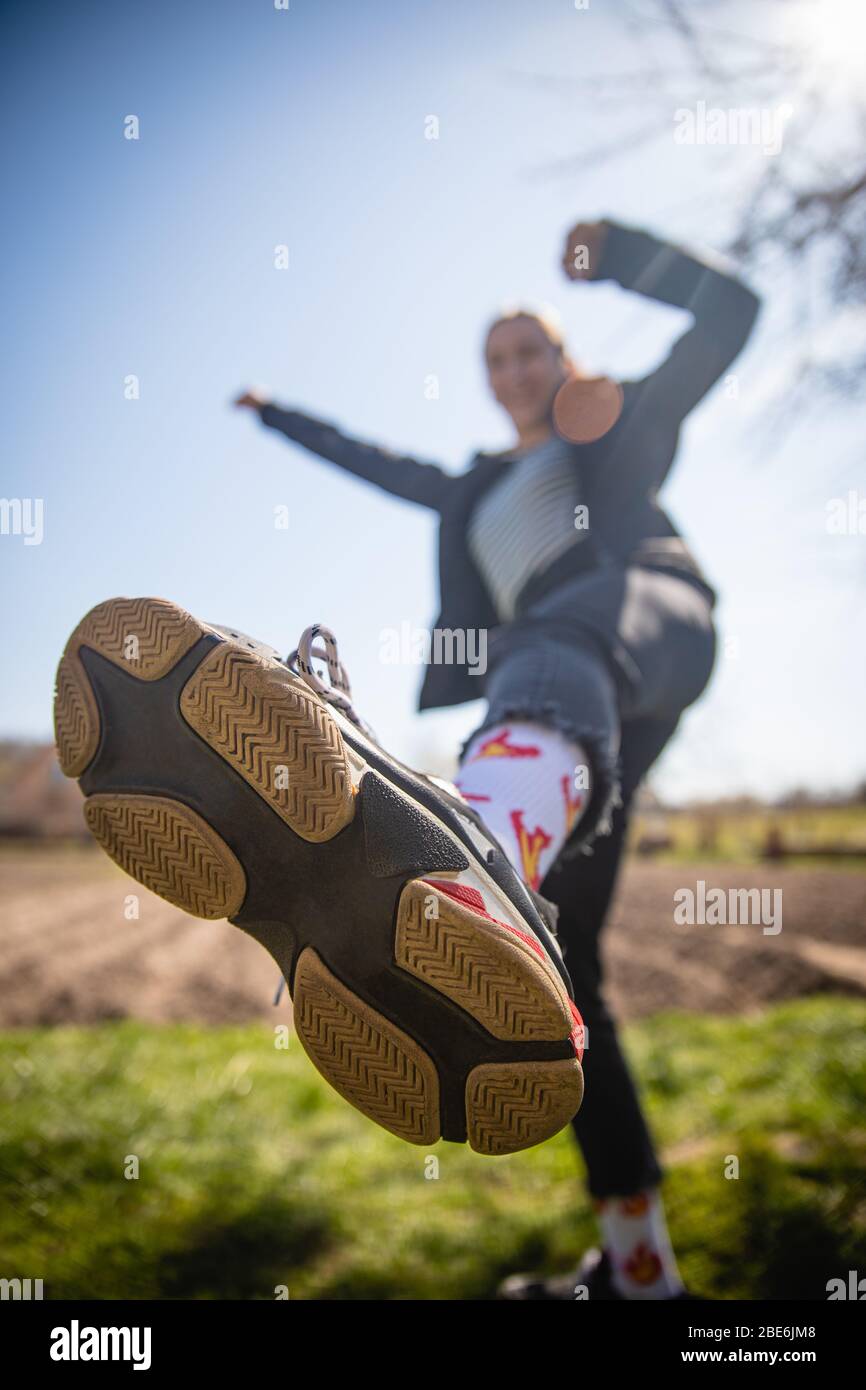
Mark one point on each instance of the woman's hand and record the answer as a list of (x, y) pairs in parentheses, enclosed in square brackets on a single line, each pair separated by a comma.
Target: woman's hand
[(584, 245), (252, 399)]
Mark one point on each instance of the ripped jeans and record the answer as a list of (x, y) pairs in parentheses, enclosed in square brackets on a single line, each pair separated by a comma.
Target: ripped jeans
[(612, 657), (604, 649)]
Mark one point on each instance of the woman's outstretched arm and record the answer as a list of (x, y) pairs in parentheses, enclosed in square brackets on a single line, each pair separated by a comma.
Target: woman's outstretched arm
[(400, 474), (722, 307)]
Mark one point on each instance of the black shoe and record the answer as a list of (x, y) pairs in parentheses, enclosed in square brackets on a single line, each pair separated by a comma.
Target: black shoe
[(592, 1280), (593, 1273), (427, 983)]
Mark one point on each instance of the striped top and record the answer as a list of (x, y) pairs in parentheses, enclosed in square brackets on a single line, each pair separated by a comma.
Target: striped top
[(525, 521)]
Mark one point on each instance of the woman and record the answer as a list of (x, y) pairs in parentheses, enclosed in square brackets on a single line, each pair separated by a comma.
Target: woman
[(601, 634), (414, 921)]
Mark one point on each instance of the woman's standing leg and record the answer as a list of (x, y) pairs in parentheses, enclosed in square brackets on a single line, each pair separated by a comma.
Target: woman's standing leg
[(665, 627), (526, 746), (610, 1127)]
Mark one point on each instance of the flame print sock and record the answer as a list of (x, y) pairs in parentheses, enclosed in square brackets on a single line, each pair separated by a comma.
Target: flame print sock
[(531, 784), (635, 1235)]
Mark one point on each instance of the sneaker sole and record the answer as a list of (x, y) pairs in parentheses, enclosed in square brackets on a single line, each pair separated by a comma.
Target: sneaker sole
[(218, 779)]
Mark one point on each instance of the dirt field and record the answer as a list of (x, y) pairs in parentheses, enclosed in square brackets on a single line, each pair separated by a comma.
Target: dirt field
[(68, 954)]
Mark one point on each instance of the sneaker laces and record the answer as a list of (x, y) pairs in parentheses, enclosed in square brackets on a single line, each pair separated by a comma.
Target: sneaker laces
[(339, 691)]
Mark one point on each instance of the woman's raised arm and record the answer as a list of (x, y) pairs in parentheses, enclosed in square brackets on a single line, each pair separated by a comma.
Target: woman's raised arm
[(722, 307)]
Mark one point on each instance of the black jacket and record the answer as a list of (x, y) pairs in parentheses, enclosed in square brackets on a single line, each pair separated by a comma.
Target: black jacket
[(620, 473)]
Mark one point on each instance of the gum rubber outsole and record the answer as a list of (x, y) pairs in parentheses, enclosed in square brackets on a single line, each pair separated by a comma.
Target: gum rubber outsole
[(368, 1059), (159, 805), (508, 1107), (484, 966), (169, 849), (277, 735), (146, 636)]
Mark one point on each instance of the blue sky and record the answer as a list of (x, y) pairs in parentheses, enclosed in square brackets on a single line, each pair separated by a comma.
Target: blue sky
[(305, 128)]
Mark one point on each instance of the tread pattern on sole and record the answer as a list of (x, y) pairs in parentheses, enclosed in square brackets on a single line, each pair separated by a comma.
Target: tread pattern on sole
[(170, 849), (481, 965), (513, 1106), (144, 636), (76, 717), (274, 731), (264, 722), (373, 1064)]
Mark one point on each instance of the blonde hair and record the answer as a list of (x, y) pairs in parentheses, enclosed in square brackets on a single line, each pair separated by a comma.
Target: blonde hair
[(542, 313)]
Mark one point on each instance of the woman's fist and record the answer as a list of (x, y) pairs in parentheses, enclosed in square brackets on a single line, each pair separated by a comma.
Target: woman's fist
[(253, 399), (584, 245)]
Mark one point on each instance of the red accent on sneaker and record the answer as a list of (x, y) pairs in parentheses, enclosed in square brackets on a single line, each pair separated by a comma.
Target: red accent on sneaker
[(471, 897), (576, 1035)]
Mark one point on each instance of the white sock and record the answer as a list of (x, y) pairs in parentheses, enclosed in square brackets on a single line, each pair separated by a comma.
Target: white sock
[(530, 783), (635, 1235)]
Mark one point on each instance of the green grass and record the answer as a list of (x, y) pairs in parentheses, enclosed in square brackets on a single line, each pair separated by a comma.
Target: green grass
[(254, 1174), (721, 834)]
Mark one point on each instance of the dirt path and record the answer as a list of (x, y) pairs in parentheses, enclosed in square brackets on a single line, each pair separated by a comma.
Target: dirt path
[(68, 953), (655, 964)]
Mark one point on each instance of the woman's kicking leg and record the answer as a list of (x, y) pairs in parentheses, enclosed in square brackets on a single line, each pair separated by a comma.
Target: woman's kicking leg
[(537, 771), (665, 632)]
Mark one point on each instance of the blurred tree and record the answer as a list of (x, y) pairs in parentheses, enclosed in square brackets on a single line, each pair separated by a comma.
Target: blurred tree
[(801, 210)]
